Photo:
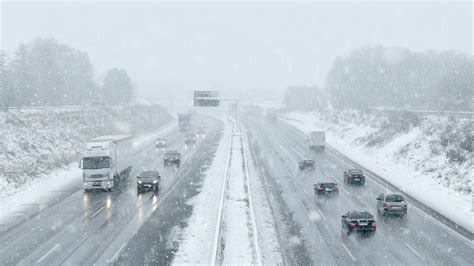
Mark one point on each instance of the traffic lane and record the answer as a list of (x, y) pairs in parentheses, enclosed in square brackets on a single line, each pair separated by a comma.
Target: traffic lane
[(328, 226), (92, 249), (419, 233), (157, 240), (76, 215), (69, 210), (38, 232), (303, 211), (376, 249)]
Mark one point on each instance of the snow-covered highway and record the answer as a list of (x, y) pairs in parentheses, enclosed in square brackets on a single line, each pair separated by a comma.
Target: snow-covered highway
[(419, 239)]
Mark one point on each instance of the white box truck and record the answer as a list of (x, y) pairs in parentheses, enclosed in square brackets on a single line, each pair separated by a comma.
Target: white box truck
[(106, 161), (317, 140)]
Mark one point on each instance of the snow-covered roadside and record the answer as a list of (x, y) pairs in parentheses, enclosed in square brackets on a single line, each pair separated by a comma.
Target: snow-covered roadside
[(46, 190), (243, 214), (198, 236), (455, 206), (239, 242)]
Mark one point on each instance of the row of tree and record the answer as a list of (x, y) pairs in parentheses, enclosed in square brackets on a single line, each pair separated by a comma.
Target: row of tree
[(399, 78), (44, 72)]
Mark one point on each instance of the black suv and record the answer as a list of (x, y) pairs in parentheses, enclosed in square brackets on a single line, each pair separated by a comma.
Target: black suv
[(148, 180), (354, 176), (171, 158), (359, 221), (306, 164)]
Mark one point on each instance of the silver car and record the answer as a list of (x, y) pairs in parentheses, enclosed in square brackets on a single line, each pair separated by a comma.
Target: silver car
[(391, 204)]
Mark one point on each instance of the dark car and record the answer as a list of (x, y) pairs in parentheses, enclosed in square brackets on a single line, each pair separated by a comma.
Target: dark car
[(354, 176), (190, 139), (171, 158), (392, 204), (161, 143), (326, 189), (306, 164), (148, 180), (358, 221)]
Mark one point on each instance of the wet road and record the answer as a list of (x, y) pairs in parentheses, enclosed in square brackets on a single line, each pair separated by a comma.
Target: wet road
[(95, 227), (419, 239)]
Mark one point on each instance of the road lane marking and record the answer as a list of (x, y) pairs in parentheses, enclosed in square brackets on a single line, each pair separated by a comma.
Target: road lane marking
[(47, 253), (344, 190), (350, 253), (414, 251), (97, 212), (321, 214), (118, 252)]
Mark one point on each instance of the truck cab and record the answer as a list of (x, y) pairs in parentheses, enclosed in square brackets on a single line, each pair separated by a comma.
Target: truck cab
[(106, 161)]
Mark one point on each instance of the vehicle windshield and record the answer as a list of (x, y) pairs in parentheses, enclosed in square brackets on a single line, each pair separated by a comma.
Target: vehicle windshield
[(394, 198), (148, 175), (328, 184), (95, 162), (360, 215), (355, 171)]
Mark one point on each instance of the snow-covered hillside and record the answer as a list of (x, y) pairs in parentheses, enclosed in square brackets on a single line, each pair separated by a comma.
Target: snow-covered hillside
[(429, 157), (37, 142)]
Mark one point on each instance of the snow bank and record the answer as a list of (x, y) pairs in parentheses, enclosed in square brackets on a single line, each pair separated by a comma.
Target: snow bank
[(36, 143), (411, 158), (46, 189)]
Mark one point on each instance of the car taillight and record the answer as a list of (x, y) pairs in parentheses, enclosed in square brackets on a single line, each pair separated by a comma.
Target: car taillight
[(373, 224), (320, 189), (385, 205), (353, 224)]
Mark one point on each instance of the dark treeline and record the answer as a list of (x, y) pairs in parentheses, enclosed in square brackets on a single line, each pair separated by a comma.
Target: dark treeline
[(400, 78), (44, 72)]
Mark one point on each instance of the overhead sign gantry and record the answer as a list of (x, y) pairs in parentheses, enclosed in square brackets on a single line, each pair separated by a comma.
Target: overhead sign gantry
[(206, 98)]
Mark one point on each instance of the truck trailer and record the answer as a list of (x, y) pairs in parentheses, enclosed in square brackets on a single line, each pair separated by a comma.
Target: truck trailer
[(106, 161), (184, 122), (317, 140)]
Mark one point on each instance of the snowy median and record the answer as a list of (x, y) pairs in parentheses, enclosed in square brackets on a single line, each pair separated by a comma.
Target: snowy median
[(223, 220), (454, 205)]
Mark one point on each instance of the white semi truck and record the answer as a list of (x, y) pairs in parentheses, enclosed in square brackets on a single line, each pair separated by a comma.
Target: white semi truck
[(106, 161), (317, 140)]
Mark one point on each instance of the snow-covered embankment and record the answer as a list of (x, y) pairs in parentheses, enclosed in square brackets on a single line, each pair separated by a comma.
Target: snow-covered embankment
[(413, 157)]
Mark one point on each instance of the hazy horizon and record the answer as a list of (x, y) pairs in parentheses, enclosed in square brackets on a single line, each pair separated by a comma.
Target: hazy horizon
[(173, 48)]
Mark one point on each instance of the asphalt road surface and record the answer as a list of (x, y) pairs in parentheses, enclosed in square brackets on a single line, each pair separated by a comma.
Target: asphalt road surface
[(419, 239), (121, 226)]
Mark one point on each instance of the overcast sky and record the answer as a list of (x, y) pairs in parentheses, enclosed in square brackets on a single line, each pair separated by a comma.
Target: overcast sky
[(175, 47)]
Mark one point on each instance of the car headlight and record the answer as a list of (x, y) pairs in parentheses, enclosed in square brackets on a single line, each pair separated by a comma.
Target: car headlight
[(155, 181), (139, 182)]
